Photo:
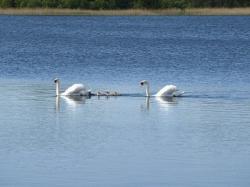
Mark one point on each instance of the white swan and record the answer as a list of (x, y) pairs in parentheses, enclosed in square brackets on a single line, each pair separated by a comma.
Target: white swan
[(166, 91), (74, 90)]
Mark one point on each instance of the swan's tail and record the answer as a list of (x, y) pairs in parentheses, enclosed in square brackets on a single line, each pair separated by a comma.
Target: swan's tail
[(178, 94)]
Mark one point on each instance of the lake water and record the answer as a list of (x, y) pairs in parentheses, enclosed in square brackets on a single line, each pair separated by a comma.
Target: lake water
[(201, 139)]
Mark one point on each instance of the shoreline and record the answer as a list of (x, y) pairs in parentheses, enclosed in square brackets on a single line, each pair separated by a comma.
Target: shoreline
[(128, 12)]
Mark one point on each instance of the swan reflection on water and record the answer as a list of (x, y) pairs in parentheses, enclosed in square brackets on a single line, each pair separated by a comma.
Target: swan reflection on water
[(163, 102), (74, 101), (71, 101)]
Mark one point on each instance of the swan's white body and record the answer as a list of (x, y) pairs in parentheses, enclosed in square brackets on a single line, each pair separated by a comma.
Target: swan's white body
[(166, 91), (74, 90)]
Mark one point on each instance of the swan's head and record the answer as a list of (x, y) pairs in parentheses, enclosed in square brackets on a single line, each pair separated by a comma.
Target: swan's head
[(56, 80), (144, 82)]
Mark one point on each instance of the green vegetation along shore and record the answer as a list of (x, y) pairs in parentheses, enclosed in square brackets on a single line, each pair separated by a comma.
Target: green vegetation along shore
[(124, 4), (125, 7), (127, 12)]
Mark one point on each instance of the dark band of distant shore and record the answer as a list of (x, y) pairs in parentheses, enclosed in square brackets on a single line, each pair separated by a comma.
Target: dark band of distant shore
[(129, 12)]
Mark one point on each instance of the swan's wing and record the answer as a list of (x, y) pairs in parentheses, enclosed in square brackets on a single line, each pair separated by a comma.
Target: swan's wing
[(76, 89), (167, 90)]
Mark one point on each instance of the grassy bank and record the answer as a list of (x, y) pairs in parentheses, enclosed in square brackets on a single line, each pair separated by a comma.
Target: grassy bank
[(130, 12)]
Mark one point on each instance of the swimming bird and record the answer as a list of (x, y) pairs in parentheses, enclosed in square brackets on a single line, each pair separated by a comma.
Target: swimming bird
[(166, 91), (107, 93), (74, 90)]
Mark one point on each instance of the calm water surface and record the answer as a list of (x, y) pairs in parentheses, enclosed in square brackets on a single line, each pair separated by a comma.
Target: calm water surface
[(202, 139)]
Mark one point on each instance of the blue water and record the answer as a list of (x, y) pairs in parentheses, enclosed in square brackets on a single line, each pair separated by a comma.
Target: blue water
[(201, 139)]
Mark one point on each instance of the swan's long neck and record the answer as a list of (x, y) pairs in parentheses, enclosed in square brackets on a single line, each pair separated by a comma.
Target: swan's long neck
[(58, 88), (147, 90)]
